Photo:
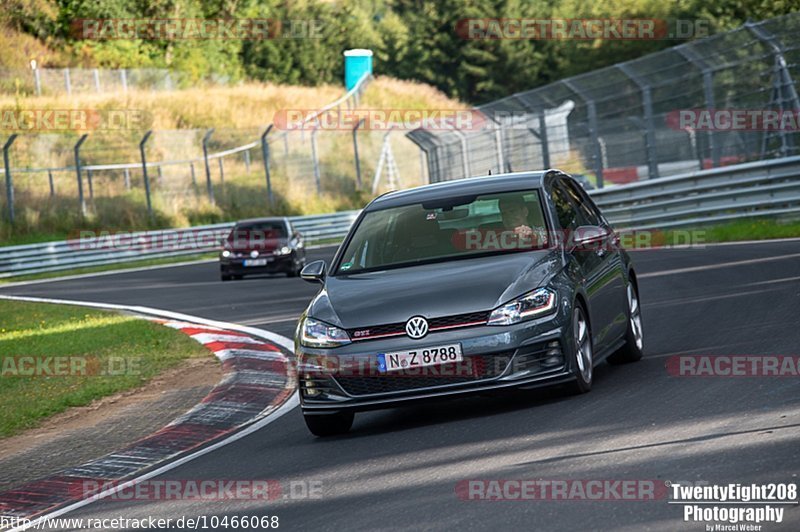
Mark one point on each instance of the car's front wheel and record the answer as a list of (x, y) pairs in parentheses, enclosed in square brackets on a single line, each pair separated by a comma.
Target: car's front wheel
[(329, 424), (582, 351), (634, 339)]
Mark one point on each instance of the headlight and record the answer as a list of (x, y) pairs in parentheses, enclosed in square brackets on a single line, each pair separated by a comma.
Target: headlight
[(285, 250), (537, 303), (254, 254), (314, 333), (226, 253)]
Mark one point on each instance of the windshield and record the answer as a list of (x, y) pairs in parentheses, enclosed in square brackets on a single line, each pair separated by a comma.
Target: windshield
[(444, 230), (256, 233)]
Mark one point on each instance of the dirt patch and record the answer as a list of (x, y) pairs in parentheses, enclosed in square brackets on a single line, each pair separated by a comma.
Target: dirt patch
[(83, 433)]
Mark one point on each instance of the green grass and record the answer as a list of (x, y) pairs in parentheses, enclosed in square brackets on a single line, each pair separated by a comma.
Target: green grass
[(46, 330), (754, 229)]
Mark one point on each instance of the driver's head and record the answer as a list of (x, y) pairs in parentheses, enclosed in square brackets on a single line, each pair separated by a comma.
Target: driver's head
[(514, 212)]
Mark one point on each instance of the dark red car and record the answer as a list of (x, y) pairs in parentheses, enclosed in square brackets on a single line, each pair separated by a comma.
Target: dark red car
[(262, 245)]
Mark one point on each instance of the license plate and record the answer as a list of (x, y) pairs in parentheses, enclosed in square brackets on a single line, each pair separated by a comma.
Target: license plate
[(417, 358), (255, 262)]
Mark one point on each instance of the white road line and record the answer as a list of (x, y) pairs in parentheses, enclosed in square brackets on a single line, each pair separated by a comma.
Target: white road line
[(286, 407), (101, 274), (719, 265)]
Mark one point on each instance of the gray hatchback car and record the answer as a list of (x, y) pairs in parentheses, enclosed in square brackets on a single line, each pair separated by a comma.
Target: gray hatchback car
[(514, 280)]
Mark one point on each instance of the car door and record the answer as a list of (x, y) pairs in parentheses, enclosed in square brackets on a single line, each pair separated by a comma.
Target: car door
[(600, 266)]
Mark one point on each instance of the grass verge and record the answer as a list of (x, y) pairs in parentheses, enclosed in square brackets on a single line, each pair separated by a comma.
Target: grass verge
[(755, 229), (91, 354)]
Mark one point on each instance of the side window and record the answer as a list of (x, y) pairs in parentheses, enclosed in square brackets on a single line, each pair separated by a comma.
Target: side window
[(587, 213), (565, 211)]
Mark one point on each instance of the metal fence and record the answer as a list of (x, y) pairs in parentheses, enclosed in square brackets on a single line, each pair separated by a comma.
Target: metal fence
[(617, 124), (745, 191), (69, 81), (189, 168), (91, 249)]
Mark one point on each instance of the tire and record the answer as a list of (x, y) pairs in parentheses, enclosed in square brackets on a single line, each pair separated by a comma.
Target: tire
[(329, 424), (238, 277), (224, 277), (582, 351), (634, 339)]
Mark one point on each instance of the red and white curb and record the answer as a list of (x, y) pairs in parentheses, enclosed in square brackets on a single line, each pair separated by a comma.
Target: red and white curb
[(258, 387)]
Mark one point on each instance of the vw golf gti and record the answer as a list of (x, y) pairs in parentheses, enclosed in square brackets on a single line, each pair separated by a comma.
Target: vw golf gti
[(514, 280)]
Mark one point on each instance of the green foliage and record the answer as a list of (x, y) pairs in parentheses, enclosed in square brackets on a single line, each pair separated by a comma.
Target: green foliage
[(412, 39)]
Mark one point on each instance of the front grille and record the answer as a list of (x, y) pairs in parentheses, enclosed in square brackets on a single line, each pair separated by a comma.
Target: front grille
[(444, 322), (472, 369)]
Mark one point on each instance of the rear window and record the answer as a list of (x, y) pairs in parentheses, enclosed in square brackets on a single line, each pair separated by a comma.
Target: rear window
[(259, 231)]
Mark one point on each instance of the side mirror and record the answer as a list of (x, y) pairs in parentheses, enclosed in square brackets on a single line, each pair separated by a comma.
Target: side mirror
[(587, 235), (314, 272)]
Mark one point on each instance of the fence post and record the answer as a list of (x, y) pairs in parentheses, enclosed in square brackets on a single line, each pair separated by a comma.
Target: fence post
[(543, 139), (593, 131), (96, 74), (144, 173), (67, 82), (37, 80), (9, 182), (265, 156), (208, 169), (355, 152), (498, 142), (247, 161), (464, 154), (77, 151), (50, 180), (91, 184), (123, 76), (127, 179), (221, 172), (647, 104), (708, 90), (194, 177), (315, 159)]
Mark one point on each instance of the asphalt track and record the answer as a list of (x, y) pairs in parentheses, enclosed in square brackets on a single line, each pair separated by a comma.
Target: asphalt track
[(398, 469)]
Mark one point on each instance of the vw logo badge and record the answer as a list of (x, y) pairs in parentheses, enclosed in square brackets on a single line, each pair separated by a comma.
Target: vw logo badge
[(417, 327)]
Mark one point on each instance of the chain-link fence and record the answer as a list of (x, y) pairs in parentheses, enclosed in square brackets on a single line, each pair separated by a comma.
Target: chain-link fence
[(73, 81), (190, 170), (642, 119)]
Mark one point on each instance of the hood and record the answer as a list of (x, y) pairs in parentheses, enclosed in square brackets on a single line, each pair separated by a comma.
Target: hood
[(432, 290), (244, 246)]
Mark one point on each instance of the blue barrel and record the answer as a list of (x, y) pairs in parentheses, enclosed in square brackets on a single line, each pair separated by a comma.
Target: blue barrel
[(356, 63)]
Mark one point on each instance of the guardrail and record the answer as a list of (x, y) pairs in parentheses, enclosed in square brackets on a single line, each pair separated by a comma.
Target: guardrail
[(762, 188), (756, 189), (91, 249)]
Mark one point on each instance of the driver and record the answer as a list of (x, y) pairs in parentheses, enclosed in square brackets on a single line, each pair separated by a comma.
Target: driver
[(514, 213)]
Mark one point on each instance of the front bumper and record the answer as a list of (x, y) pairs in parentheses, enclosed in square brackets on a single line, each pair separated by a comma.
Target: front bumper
[(526, 355)]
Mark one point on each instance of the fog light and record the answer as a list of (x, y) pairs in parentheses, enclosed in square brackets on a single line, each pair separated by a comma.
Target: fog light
[(254, 253), (310, 386)]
